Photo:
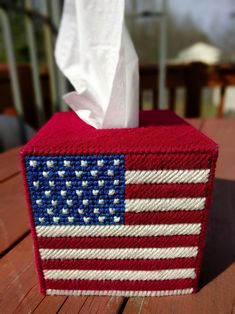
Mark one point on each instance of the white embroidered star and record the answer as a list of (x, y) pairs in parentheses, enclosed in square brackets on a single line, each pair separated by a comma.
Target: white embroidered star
[(67, 163), (50, 163), (33, 163)]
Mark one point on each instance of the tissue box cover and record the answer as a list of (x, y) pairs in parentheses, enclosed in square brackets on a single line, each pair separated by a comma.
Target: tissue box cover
[(119, 211)]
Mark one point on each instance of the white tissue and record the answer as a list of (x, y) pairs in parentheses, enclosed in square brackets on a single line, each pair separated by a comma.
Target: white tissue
[(95, 52)]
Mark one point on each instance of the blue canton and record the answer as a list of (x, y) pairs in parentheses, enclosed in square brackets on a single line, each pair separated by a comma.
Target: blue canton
[(77, 190)]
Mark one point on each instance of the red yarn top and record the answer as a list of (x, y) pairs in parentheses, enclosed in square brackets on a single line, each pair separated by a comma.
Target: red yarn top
[(159, 131)]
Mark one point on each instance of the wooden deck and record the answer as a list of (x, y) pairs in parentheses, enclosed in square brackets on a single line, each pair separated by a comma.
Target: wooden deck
[(19, 288)]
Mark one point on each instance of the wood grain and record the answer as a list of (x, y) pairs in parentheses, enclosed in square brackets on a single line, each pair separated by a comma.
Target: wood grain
[(222, 131), (9, 164), (30, 301), (216, 297), (19, 291), (50, 305), (73, 304), (13, 214), (18, 279), (102, 304), (92, 304)]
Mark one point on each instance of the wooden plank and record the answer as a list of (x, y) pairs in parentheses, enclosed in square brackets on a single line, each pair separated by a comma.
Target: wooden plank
[(30, 301), (13, 213), (9, 162), (222, 131), (177, 74), (102, 304), (194, 77), (18, 289), (73, 304), (50, 305), (92, 304), (216, 297)]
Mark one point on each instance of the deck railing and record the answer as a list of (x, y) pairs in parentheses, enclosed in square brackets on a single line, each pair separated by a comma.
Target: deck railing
[(48, 13), (193, 78), (46, 87)]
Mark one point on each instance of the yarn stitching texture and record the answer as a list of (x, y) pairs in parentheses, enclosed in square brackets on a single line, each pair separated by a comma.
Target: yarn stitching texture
[(77, 190)]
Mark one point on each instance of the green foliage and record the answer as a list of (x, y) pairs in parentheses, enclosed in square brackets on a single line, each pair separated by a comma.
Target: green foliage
[(19, 37), (145, 33)]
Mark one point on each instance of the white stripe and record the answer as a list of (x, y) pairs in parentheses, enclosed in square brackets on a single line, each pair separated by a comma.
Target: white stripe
[(119, 253), (164, 204), (118, 230), (167, 176), (120, 293), (166, 274)]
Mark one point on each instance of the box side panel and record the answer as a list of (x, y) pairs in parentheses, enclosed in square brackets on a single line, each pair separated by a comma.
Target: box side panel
[(155, 248), (209, 193), (32, 225)]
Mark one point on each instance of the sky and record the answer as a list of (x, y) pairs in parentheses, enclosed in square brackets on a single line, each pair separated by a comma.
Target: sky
[(214, 17), (205, 12)]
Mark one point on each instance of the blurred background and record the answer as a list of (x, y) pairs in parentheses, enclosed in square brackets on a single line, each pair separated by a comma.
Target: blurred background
[(186, 51)]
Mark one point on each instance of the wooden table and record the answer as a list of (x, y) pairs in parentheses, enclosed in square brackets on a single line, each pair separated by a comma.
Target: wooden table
[(19, 288)]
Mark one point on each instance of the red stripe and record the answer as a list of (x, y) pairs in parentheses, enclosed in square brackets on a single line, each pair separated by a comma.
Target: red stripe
[(167, 161), (164, 190), (150, 285), (120, 264), (151, 218), (117, 242)]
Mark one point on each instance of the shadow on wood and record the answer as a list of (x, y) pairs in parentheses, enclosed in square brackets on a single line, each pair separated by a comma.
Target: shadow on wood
[(220, 242)]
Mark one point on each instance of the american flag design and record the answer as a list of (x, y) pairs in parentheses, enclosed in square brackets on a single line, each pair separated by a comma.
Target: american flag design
[(118, 224)]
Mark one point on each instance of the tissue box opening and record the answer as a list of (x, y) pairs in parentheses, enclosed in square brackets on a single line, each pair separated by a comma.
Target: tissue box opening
[(121, 211)]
